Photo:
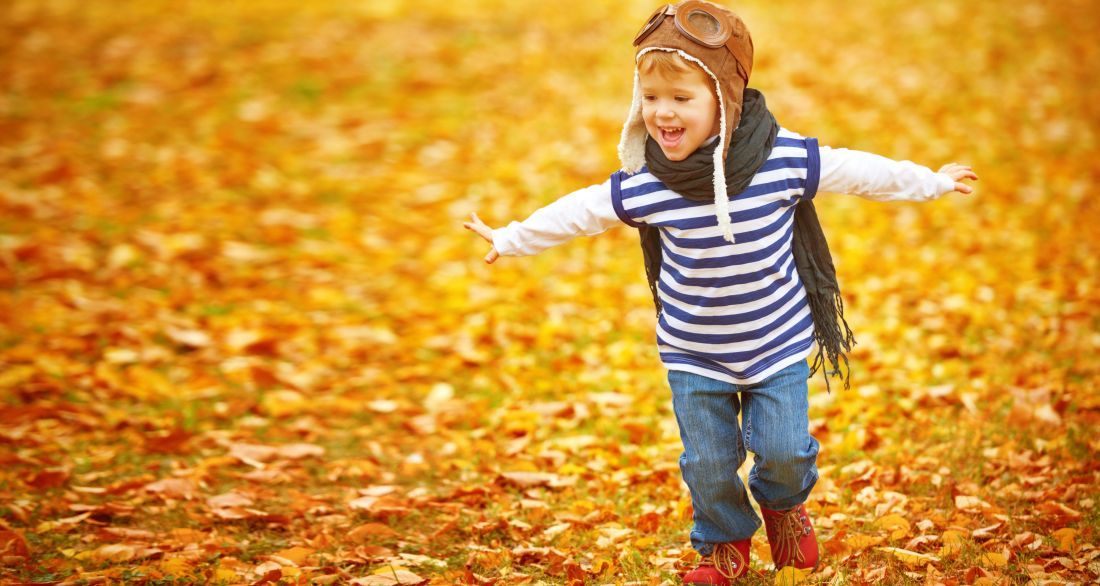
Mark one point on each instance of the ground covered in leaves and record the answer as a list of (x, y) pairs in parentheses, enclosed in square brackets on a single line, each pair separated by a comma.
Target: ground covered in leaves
[(244, 338)]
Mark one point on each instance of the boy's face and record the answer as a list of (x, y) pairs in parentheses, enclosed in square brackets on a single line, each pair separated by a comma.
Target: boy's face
[(679, 110)]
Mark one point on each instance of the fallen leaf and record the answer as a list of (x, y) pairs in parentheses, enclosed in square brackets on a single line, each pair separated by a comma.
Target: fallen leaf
[(897, 525), (857, 541), (994, 559), (229, 499), (910, 558), (389, 577), (371, 532), (183, 488), (1066, 539), (297, 554), (790, 575)]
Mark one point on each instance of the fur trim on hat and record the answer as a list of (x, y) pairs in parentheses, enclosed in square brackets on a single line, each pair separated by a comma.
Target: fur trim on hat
[(632, 142)]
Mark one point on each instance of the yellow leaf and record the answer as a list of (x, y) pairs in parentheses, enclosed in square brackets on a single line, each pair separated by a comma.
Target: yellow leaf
[(297, 555), (862, 541), (389, 569), (644, 542), (523, 466), (994, 559), (911, 558), (1066, 538), (150, 383), (174, 566), (571, 469), (952, 542), (15, 375), (895, 524), (328, 296), (283, 403), (790, 575), (602, 566), (583, 506), (225, 575)]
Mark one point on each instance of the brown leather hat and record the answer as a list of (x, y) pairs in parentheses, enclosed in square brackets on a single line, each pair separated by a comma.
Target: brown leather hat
[(718, 42)]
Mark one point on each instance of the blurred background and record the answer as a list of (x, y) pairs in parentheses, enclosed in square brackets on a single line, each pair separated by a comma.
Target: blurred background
[(241, 221)]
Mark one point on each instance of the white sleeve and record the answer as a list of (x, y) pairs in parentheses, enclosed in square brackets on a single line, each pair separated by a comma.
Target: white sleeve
[(876, 177), (585, 212)]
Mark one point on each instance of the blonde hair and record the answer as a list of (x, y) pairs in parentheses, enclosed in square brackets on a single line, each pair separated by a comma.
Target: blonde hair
[(664, 63)]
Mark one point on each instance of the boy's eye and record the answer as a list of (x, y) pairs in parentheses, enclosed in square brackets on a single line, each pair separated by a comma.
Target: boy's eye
[(649, 97), (682, 98)]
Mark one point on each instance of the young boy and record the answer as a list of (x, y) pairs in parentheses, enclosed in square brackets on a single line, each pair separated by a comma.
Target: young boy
[(739, 269)]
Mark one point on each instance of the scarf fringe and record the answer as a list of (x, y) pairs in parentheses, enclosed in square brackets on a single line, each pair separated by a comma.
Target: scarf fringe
[(651, 249), (833, 336)]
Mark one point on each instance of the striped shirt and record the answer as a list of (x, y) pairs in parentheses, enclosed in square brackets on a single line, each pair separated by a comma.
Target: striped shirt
[(732, 311), (737, 311)]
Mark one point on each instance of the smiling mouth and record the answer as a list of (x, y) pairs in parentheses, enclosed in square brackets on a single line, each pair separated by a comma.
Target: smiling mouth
[(671, 134)]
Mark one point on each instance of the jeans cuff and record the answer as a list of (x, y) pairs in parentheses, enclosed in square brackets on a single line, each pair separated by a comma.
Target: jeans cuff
[(793, 501)]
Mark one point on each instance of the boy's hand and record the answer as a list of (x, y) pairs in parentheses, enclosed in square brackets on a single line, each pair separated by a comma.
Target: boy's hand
[(485, 232), (958, 173)]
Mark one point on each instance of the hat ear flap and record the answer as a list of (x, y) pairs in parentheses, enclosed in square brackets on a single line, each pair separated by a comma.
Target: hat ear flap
[(632, 142), (721, 196)]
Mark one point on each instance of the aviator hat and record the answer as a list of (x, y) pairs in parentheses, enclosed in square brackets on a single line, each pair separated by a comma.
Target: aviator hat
[(718, 42)]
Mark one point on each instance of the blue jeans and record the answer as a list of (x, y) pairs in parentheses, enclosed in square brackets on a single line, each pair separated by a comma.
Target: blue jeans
[(775, 427)]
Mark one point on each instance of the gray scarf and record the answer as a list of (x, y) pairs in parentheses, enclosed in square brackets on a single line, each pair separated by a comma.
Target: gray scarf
[(749, 148)]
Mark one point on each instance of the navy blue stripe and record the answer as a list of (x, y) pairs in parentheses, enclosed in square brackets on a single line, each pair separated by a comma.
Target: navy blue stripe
[(729, 281), (735, 299), (731, 260), (751, 191), (813, 169), (771, 187), (782, 141), (735, 337), (783, 163), (734, 318), (741, 237), (754, 369), (643, 189), (617, 199), (732, 357), (708, 220), (672, 204)]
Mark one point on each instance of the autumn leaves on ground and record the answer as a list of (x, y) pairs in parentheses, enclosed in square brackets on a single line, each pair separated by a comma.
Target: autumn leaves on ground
[(244, 338)]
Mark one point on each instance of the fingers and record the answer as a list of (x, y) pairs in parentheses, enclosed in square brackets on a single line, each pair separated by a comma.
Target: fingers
[(958, 173), (476, 225), (968, 174)]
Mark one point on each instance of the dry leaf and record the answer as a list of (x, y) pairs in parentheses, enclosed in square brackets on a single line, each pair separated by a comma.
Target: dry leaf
[(183, 488), (389, 577), (910, 558)]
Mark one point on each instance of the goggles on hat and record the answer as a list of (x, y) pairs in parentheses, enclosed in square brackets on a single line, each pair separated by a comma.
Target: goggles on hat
[(697, 21)]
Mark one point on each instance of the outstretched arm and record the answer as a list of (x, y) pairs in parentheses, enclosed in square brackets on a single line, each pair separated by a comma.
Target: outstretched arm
[(876, 177), (585, 212)]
